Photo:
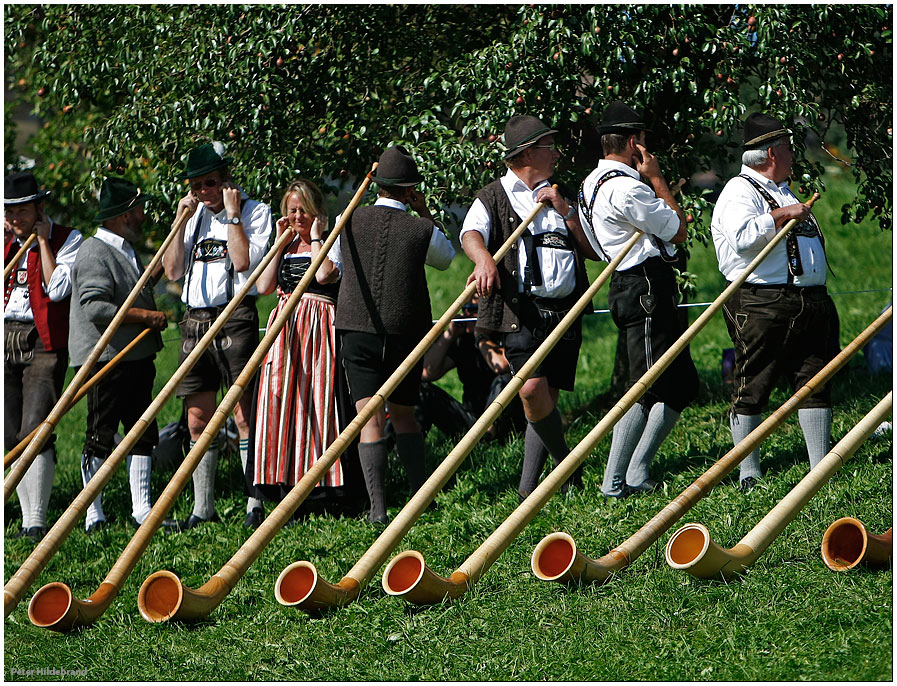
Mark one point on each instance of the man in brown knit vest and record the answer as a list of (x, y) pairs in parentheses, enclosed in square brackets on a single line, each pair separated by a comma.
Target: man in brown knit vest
[(384, 311)]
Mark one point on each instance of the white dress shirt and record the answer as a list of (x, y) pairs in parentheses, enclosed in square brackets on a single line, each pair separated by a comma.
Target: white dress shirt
[(440, 252), (122, 246), (742, 225), (60, 286), (558, 266), (207, 285), (624, 205)]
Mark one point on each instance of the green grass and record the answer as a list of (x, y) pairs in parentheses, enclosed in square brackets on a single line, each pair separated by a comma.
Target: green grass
[(786, 618)]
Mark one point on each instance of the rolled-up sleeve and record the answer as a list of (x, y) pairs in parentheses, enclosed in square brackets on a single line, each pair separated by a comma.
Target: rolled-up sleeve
[(642, 208), (259, 234), (477, 219), (440, 252), (60, 286)]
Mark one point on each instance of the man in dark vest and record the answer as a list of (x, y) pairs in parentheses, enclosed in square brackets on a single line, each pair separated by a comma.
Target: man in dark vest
[(525, 296), (384, 311), (104, 274), (36, 328), (782, 321)]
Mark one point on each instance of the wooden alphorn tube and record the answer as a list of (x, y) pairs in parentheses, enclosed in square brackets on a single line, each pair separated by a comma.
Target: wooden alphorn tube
[(163, 596), (24, 577), (692, 550), (407, 575), (556, 557), (847, 544), (11, 456), (8, 269), (46, 427), (299, 584)]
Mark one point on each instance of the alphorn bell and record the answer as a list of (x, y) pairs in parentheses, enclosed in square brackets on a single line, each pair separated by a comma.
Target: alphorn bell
[(24, 577), (299, 584), (692, 550), (847, 544), (162, 596), (407, 575), (46, 427), (11, 456), (556, 557), (8, 269)]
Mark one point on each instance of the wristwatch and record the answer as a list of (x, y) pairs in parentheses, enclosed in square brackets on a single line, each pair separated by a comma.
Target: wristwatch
[(234, 220), (569, 215)]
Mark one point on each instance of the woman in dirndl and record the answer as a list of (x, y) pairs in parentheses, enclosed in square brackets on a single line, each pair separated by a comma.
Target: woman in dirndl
[(296, 406)]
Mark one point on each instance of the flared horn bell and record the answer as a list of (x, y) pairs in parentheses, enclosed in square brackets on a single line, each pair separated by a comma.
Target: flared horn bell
[(300, 586), (556, 558), (691, 549), (847, 543), (408, 577), (55, 607)]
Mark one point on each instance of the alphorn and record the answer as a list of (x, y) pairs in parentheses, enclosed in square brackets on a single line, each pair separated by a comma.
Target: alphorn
[(8, 269), (299, 584), (847, 544), (24, 577), (691, 549), (163, 596), (407, 575), (11, 456), (46, 427), (556, 557)]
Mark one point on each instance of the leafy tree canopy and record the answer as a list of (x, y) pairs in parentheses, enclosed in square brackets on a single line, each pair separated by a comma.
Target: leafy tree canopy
[(321, 90)]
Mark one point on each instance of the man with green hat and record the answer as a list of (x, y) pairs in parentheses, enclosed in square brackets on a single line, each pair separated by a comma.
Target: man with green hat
[(217, 250), (525, 296), (614, 203), (36, 327), (104, 274), (383, 312), (782, 321)]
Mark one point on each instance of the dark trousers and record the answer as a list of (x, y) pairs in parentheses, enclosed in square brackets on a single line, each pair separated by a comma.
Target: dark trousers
[(32, 382), (780, 332), (121, 397), (643, 303)]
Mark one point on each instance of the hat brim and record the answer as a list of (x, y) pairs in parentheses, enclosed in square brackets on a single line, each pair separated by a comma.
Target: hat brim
[(118, 210), (31, 198), (765, 138), (202, 171), (413, 181), (634, 127), (528, 142)]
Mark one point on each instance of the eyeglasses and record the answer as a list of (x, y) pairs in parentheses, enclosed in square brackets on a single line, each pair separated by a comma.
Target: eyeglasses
[(208, 183), (555, 148)]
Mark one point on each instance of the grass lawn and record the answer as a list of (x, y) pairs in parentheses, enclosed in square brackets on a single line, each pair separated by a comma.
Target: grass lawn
[(787, 618)]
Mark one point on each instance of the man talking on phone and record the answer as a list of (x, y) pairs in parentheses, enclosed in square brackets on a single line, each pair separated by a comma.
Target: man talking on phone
[(614, 203)]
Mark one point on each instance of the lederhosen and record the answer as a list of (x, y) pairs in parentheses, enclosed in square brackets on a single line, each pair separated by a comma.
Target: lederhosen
[(644, 301), (225, 358), (781, 329)]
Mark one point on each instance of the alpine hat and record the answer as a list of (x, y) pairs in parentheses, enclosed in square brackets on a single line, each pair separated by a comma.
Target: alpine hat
[(118, 196), (760, 129), (397, 168), (203, 160), (521, 132), (20, 188), (620, 118)]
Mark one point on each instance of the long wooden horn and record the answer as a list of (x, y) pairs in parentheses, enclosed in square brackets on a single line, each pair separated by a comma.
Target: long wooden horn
[(556, 557), (24, 577), (46, 427), (847, 544), (407, 575), (299, 585), (8, 269), (163, 596), (11, 456), (692, 550)]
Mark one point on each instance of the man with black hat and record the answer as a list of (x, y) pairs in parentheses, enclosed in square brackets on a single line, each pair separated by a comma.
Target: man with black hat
[(614, 203), (383, 312), (782, 321), (36, 323), (218, 249), (524, 297), (104, 274)]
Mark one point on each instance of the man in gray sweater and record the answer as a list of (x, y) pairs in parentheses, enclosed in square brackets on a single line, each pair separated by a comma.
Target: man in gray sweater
[(106, 270)]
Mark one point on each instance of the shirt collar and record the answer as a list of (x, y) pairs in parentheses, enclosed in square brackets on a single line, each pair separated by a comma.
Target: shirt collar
[(390, 202), (765, 180), (514, 184), (113, 239), (608, 165)]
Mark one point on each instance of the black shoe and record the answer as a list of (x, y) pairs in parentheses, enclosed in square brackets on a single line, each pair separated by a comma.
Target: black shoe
[(747, 485), (254, 518), (171, 525), (193, 521), (96, 526), (379, 520), (35, 533)]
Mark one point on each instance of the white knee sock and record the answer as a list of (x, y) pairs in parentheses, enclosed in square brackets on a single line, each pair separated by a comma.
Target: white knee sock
[(139, 469), (95, 512), (627, 433), (251, 503), (741, 425), (661, 420), (34, 490), (816, 423), (204, 483)]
